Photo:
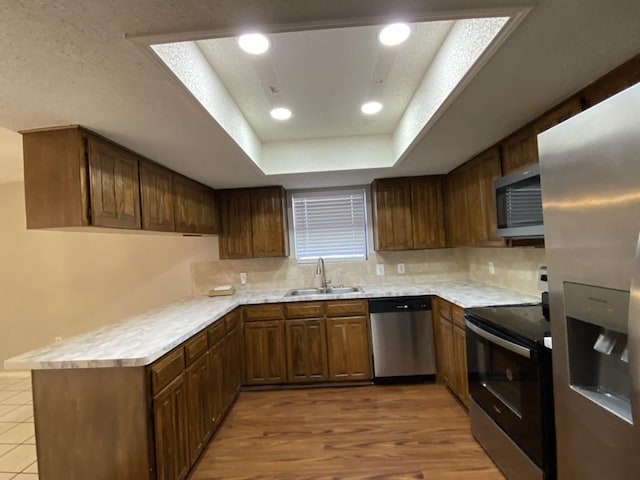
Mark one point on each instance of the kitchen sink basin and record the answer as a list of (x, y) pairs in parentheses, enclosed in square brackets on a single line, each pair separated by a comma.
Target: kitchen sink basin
[(296, 292)]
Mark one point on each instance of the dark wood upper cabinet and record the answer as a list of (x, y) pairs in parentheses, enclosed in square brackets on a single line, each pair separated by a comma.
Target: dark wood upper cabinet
[(558, 114), (75, 179), (408, 213), (520, 150), (115, 187), (156, 192), (471, 204), (186, 196), (269, 222), (208, 211), (618, 79), (235, 211), (427, 212), (392, 221), (254, 223)]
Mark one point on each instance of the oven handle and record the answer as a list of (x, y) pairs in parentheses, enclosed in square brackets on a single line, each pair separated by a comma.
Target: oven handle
[(512, 347)]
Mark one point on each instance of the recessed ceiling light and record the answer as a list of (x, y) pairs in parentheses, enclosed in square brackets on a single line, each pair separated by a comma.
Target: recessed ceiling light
[(254, 43), (281, 113), (371, 108), (394, 34)]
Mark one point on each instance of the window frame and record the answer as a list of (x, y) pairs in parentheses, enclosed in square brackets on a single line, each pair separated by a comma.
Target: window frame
[(337, 190)]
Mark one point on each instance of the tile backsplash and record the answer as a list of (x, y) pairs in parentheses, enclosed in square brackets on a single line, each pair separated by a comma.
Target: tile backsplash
[(515, 269), (263, 273)]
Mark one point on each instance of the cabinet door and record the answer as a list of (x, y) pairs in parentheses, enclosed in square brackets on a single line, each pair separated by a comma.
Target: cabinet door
[(235, 213), (170, 423), (349, 348), (306, 350), (216, 384), (238, 358), (115, 186), (208, 215), (445, 345), (620, 78), (269, 222), (157, 197), (461, 385), (489, 170), (457, 212), (392, 223), (198, 415), (559, 114), (427, 212), (186, 197), (265, 352), (520, 150)]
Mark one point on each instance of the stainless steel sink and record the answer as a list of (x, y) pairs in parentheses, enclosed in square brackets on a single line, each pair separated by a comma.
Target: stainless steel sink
[(296, 292)]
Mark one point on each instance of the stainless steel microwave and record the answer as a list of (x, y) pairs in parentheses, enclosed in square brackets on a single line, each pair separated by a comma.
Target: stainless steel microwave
[(519, 204)]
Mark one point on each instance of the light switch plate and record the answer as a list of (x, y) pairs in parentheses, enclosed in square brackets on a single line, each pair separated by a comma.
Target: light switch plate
[(380, 269), (401, 268), (243, 278), (492, 268)]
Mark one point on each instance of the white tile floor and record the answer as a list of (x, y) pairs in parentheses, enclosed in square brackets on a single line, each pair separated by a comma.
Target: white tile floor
[(17, 437)]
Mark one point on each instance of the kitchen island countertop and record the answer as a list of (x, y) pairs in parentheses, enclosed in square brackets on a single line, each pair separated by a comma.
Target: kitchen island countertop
[(142, 339)]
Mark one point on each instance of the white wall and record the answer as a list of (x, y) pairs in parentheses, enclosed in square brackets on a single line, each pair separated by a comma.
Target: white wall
[(56, 283)]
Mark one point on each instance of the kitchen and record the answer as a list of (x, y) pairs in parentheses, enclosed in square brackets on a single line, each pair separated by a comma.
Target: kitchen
[(194, 267)]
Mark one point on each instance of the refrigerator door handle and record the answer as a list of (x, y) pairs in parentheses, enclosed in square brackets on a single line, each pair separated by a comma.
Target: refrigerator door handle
[(633, 338)]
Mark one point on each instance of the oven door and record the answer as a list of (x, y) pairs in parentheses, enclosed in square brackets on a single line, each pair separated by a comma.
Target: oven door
[(505, 381)]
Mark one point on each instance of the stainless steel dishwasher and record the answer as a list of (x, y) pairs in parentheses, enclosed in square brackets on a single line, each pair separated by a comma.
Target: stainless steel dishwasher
[(402, 337)]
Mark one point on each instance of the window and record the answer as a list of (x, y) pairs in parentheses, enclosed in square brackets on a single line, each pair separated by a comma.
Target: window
[(330, 224)]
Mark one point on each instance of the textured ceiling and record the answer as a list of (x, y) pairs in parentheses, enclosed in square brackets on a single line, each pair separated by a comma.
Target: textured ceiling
[(324, 76), (69, 61)]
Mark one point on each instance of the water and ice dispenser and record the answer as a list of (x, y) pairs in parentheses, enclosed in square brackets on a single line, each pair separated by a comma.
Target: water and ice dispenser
[(597, 331)]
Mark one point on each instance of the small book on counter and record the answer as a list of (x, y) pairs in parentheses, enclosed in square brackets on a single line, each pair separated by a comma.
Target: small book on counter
[(222, 290)]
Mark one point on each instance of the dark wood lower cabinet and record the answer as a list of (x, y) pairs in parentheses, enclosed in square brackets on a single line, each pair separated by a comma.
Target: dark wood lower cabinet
[(171, 439), (349, 348), (198, 393), (265, 352), (306, 350), (451, 347)]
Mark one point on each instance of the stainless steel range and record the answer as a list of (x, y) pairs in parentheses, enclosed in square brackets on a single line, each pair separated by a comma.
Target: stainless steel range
[(510, 382)]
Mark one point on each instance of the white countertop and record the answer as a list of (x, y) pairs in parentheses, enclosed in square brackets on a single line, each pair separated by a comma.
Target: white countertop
[(142, 339)]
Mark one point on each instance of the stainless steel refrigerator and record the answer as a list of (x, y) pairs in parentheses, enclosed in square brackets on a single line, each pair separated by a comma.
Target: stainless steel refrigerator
[(590, 175)]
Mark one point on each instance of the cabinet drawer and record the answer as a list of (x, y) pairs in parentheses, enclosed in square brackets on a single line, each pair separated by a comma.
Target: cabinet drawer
[(341, 308), (216, 332), (166, 369), (444, 308), (263, 312), (303, 309), (231, 320), (196, 347), (458, 316)]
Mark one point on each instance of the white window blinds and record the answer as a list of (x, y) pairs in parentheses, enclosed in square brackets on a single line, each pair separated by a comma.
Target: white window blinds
[(329, 224)]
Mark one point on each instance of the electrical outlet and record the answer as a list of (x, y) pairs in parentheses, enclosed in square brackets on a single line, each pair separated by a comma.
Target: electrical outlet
[(492, 268), (401, 268), (243, 278), (380, 269), (58, 339)]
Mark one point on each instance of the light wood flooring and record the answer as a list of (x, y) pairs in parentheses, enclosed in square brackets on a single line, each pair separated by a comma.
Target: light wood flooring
[(371, 432)]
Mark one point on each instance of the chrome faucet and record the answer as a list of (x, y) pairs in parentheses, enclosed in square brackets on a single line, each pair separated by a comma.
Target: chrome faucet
[(320, 271)]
